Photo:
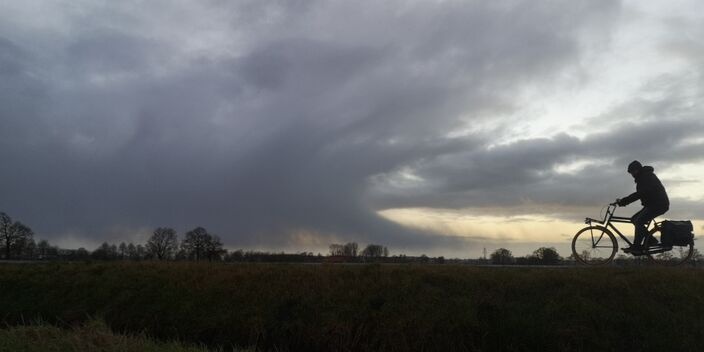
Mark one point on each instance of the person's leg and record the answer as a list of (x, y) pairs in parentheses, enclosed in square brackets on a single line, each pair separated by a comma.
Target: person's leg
[(640, 221)]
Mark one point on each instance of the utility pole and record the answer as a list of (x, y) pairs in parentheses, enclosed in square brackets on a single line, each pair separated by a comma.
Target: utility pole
[(484, 253)]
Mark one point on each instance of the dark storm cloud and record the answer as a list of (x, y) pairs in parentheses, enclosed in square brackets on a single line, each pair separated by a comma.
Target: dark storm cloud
[(22, 95), (112, 127)]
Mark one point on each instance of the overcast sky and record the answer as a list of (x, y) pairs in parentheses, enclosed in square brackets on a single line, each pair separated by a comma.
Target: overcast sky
[(438, 127)]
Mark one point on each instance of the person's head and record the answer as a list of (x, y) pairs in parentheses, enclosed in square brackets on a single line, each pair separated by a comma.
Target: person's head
[(634, 168)]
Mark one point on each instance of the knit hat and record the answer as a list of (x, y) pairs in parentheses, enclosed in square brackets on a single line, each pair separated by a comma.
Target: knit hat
[(634, 166)]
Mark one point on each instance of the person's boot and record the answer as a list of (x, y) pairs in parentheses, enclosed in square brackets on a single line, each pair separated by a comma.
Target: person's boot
[(634, 250)]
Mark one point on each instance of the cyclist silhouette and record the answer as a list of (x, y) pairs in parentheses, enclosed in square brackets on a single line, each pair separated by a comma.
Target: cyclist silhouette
[(652, 196)]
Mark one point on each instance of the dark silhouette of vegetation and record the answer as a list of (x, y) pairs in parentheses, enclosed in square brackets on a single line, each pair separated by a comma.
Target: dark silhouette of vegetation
[(104, 252), (547, 256), (268, 257), (94, 335), (194, 243), (122, 250), (375, 250), (214, 249), (136, 252), (15, 237), (162, 244), (368, 308), (347, 250), (46, 250), (198, 244), (502, 256)]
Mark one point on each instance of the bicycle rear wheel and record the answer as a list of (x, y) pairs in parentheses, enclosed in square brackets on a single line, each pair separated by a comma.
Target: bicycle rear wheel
[(594, 245), (675, 256)]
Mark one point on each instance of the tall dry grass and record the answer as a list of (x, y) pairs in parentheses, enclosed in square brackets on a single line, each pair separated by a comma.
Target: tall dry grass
[(369, 307)]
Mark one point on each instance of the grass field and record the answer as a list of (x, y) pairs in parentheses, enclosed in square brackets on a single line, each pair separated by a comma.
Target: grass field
[(92, 336), (367, 307)]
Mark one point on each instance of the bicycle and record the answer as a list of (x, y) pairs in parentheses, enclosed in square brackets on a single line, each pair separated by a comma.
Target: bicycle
[(597, 245)]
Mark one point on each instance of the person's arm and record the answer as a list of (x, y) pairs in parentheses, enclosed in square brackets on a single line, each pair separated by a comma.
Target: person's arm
[(628, 200)]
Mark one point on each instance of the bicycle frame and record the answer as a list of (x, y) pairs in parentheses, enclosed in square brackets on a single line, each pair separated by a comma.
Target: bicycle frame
[(609, 219)]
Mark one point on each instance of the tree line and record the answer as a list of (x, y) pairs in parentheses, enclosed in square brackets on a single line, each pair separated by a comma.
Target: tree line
[(350, 249), (17, 242), (163, 244), (549, 256), (541, 256)]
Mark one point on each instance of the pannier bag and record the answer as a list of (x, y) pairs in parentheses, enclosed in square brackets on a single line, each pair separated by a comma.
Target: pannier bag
[(676, 233)]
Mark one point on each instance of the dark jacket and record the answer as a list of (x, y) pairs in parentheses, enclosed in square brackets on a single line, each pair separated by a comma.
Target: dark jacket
[(649, 190)]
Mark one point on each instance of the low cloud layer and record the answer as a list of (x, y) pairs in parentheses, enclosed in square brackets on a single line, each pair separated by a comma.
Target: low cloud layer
[(277, 124)]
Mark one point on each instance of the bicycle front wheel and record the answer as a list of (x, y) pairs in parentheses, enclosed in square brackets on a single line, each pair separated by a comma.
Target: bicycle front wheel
[(594, 245)]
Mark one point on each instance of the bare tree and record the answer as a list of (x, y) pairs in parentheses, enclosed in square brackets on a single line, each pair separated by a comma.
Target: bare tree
[(195, 243), (131, 251), (43, 248), (123, 250), (140, 252), (375, 250), (82, 253), (350, 249), (163, 243), (213, 248), (13, 235), (23, 237), (337, 249), (29, 249), (103, 252), (7, 235)]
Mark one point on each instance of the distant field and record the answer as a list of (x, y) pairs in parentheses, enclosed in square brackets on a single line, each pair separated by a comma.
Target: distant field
[(368, 307)]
